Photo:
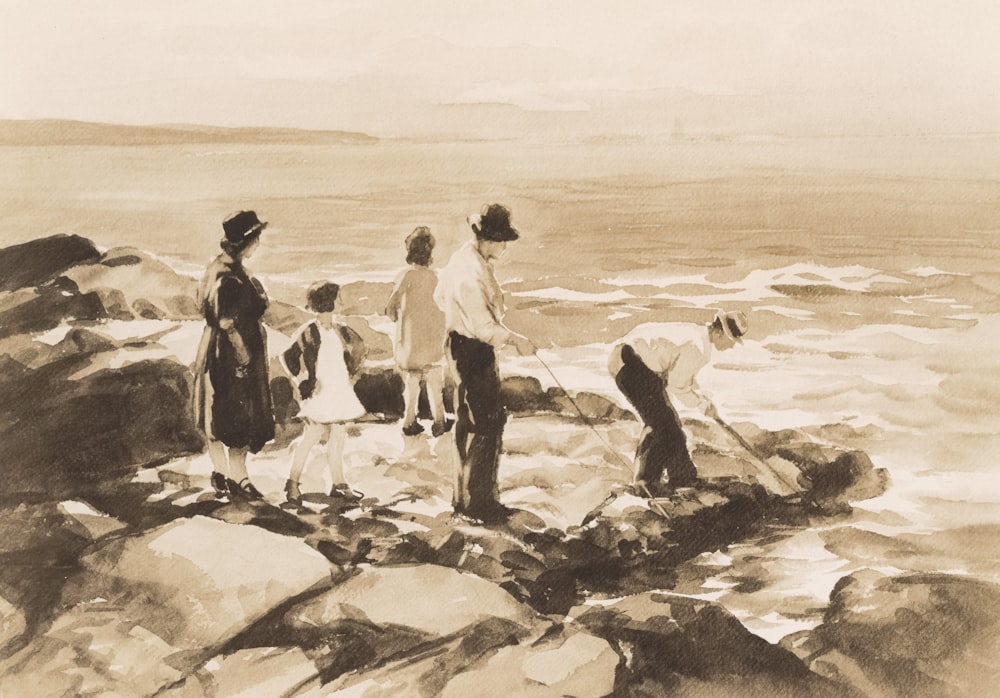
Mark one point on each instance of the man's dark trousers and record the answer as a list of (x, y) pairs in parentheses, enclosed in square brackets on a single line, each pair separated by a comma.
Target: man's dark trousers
[(663, 444), (479, 423)]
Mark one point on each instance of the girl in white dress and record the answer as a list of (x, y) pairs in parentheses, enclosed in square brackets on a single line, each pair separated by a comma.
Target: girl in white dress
[(324, 360)]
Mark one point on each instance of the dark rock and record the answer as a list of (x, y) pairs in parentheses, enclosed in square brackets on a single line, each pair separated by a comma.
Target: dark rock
[(182, 307), (116, 305), (285, 317), (524, 395), (46, 307), (21, 355), (121, 260), (677, 645), (593, 407), (80, 340), (831, 476), (66, 436), (381, 392), (147, 310), (41, 545), (35, 262), (836, 477), (913, 635), (643, 540), (131, 283)]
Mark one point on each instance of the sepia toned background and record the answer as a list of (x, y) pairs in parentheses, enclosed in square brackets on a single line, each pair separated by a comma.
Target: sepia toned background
[(830, 168)]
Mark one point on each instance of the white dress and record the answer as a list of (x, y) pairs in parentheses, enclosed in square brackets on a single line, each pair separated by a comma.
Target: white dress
[(334, 399)]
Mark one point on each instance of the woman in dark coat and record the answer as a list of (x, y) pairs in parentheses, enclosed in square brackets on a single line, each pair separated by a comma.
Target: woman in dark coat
[(232, 391)]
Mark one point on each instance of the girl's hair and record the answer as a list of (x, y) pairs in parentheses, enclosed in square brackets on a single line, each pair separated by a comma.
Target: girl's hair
[(420, 247), (322, 297)]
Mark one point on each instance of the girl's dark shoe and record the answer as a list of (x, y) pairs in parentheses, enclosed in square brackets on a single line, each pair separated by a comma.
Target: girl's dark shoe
[(219, 484), (413, 429), (292, 492), (439, 428), (342, 489), (243, 489)]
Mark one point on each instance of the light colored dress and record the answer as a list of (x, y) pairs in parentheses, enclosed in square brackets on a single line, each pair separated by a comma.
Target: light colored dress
[(419, 322), (334, 399)]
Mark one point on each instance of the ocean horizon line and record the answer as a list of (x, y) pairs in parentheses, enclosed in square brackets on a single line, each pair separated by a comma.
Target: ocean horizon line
[(23, 131)]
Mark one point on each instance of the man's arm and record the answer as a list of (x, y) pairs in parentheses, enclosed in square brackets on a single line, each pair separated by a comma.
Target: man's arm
[(475, 305)]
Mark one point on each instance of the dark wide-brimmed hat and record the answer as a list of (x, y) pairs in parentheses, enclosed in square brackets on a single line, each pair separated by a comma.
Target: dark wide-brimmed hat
[(493, 224), (734, 324), (241, 227)]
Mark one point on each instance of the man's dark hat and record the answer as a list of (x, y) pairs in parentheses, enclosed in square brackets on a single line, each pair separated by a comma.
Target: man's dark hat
[(734, 324), (242, 226), (493, 224)]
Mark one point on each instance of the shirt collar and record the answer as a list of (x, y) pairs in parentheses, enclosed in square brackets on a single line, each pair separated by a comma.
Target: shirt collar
[(479, 255)]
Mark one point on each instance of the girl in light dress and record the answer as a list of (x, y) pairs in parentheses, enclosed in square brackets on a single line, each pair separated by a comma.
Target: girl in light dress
[(420, 335), (324, 360)]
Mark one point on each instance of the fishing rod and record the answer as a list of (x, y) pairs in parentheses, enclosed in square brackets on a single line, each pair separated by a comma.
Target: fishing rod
[(627, 467), (757, 455)]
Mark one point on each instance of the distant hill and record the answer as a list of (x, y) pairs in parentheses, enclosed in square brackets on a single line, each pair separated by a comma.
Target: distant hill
[(59, 132)]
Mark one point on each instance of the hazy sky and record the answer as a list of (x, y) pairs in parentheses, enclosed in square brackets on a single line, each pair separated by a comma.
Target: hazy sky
[(374, 65)]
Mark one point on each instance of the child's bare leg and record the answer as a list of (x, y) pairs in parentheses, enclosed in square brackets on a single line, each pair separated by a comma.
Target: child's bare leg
[(238, 464), (435, 392), (411, 396), (217, 454), (335, 453), (311, 435)]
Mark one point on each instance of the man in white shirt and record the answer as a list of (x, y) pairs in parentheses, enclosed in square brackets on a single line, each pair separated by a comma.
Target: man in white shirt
[(470, 296), (660, 358)]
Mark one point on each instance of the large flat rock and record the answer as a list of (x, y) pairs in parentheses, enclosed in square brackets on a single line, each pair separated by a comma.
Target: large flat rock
[(149, 609)]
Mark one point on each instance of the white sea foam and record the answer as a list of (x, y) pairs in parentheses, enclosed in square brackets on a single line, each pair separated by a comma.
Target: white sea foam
[(798, 313), (931, 271), (341, 274), (758, 285), (852, 277)]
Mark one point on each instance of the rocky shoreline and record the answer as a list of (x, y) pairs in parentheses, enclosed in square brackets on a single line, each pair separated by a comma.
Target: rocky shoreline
[(123, 575)]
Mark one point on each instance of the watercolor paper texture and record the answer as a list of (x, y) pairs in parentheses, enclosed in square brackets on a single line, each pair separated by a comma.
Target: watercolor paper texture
[(222, 479)]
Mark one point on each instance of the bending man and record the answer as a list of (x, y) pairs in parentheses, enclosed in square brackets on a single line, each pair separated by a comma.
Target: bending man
[(660, 358)]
